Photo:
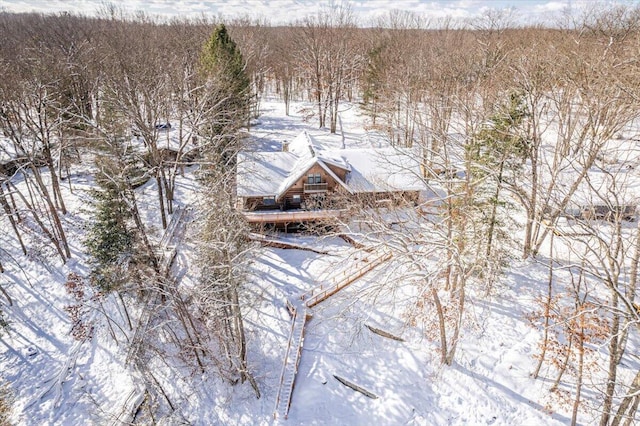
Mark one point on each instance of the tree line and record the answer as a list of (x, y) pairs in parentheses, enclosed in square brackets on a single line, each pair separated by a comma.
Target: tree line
[(480, 102)]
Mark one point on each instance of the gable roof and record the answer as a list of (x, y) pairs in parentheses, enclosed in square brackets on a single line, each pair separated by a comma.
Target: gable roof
[(297, 174), (272, 174)]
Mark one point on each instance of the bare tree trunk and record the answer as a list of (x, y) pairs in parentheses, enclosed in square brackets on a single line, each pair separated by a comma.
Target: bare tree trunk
[(133, 206), (4, 292), (629, 405), (576, 401), (458, 324), (238, 328), (52, 211), (182, 314), (286, 95), (494, 211), (547, 312), (45, 230), (442, 324), (10, 214), (614, 348), (163, 214), (126, 312), (319, 92), (169, 187), (55, 181), (565, 363)]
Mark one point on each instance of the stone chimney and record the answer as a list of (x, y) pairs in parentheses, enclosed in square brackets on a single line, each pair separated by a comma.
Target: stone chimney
[(285, 146)]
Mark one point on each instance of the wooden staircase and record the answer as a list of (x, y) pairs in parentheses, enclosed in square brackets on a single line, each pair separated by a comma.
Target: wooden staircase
[(299, 318), (324, 291), (167, 251), (166, 255), (291, 361)]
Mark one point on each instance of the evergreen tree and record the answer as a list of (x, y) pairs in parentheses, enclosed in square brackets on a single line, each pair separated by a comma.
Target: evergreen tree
[(221, 59), (373, 82), (497, 151), (109, 241), (223, 244), (228, 88)]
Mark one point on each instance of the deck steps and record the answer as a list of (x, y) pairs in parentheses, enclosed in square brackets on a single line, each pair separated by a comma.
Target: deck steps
[(324, 291), (299, 316), (291, 362)]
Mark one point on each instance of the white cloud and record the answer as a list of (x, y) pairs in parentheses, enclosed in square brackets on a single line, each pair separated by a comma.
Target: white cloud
[(283, 11)]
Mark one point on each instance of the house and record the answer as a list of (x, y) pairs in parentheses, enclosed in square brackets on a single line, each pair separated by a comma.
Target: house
[(307, 182), (612, 213)]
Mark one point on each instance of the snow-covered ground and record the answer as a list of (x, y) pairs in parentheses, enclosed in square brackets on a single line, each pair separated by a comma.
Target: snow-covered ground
[(58, 380)]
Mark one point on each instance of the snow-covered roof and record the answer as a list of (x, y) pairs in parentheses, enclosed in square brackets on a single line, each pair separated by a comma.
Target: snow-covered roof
[(383, 170), (264, 174), (303, 145), (261, 173), (599, 188), (300, 169)]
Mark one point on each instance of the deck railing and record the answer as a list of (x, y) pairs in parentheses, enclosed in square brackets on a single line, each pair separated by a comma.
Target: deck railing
[(290, 365), (277, 216), (316, 187), (340, 281)]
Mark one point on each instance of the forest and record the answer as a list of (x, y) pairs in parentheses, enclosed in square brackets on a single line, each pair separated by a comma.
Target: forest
[(528, 139)]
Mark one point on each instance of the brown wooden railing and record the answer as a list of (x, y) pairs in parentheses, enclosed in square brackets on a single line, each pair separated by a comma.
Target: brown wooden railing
[(299, 318), (290, 365), (315, 187), (324, 291), (292, 216)]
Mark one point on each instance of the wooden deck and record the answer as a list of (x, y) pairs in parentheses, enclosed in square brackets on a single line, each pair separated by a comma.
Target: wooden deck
[(292, 216)]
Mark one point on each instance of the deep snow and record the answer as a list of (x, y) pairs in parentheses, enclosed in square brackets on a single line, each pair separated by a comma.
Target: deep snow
[(56, 380)]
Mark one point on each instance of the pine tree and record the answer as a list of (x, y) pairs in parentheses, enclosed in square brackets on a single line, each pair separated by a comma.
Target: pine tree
[(222, 60), (224, 248), (497, 150), (373, 82), (223, 67), (109, 240)]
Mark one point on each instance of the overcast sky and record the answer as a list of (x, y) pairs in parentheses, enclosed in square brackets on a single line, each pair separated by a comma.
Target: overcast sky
[(282, 11)]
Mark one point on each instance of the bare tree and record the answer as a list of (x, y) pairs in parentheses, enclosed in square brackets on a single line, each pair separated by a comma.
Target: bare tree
[(329, 61)]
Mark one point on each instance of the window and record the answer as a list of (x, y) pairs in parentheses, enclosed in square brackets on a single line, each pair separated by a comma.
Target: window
[(269, 201), (296, 199), (314, 178)]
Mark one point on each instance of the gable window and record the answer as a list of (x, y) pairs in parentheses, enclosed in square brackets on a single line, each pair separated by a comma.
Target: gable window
[(314, 178), (269, 201)]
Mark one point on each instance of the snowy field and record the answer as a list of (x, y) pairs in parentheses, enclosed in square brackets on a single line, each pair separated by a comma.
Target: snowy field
[(59, 381)]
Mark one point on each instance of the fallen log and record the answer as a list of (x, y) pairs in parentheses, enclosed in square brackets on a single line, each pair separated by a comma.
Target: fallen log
[(384, 333), (356, 387), (351, 241), (282, 245)]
